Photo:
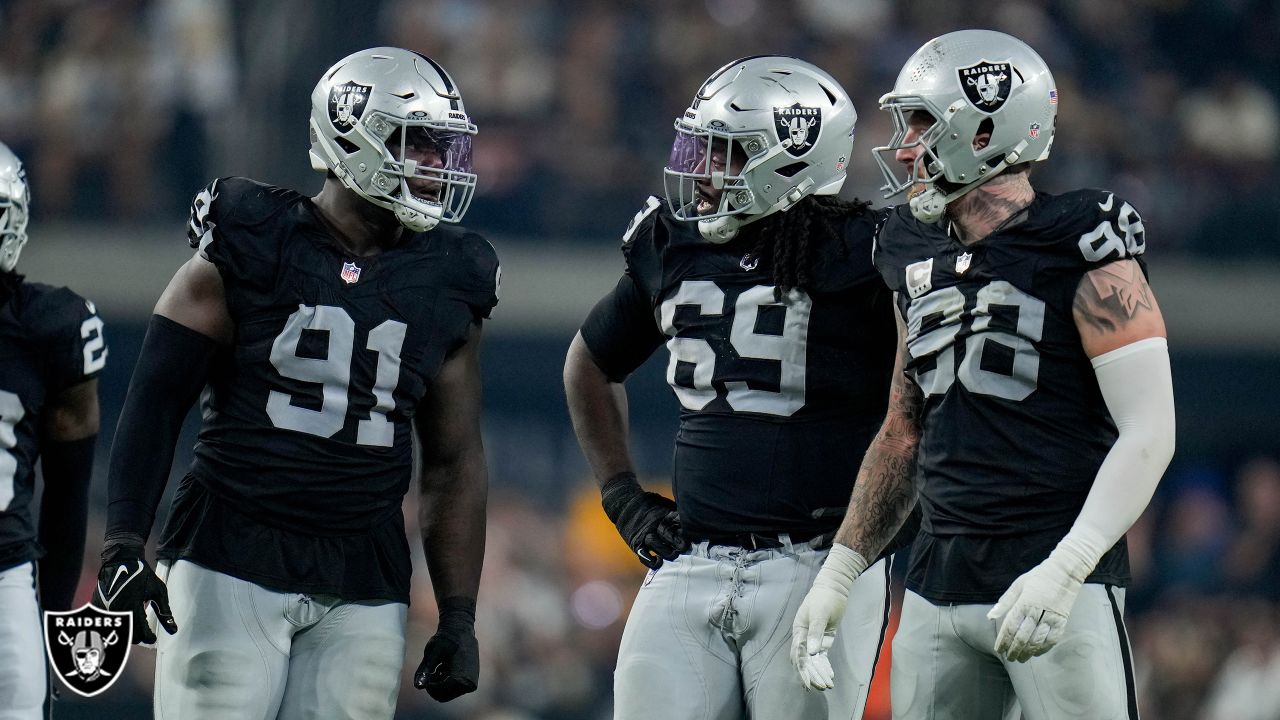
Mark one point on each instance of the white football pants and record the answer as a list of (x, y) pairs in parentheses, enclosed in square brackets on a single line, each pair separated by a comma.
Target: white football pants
[(243, 652), (709, 638)]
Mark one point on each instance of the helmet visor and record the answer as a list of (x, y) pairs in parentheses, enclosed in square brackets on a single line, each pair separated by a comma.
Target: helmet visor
[(430, 169), (705, 173)]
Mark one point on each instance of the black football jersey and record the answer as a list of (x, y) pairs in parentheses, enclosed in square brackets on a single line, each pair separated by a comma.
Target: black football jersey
[(51, 339), (308, 418), (779, 399), (1014, 427)]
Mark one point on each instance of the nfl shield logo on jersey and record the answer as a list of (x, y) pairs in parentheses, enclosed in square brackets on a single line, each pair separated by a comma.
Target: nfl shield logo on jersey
[(88, 648), (350, 272), (962, 262)]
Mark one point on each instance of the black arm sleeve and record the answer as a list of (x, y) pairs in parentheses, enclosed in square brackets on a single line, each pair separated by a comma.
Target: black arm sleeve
[(172, 369), (64, 510), (621, 332)]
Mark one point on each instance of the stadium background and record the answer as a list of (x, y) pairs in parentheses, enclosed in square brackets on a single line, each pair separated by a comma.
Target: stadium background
[(122, 109)]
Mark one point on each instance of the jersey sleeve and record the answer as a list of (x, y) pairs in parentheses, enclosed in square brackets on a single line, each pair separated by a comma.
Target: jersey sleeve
[(225, 227), (71, 333), (1093, 228), (640, 248), (481, 279), (620, 331)]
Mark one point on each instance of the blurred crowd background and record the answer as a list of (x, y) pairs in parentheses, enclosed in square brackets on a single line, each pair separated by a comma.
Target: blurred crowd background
[(123, 109)]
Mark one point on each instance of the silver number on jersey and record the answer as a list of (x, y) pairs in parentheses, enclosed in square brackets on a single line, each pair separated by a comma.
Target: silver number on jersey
[(710, 301), (11, 413), (788, 349), (333, 373), (95, 348), (934, 320)]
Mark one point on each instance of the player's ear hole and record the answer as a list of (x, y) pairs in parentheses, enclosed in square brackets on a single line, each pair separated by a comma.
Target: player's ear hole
[(982, 137)]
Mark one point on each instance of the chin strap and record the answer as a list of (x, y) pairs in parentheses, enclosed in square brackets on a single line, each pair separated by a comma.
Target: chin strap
[(929, 205), (721, 230)]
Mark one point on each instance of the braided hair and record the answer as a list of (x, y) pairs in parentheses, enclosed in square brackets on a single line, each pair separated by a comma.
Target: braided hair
[(786, 240)]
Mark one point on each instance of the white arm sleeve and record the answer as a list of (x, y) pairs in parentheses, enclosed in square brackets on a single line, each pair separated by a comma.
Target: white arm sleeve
[(1137, 387)]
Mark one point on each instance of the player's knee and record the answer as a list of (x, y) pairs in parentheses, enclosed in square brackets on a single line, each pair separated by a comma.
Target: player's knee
[(222, 676)]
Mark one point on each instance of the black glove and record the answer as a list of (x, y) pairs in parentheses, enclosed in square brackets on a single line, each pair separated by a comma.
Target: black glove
[(646, 520), (451, 661), (126, 583)]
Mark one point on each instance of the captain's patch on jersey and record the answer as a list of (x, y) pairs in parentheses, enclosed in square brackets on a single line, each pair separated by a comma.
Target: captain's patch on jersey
[(346, 104), (987, 84), (920, 278), (798, 127), (88, 647)]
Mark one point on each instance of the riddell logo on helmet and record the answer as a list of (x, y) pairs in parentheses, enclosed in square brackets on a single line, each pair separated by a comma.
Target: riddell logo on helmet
[(88, 648), (346, 104), (986, 84)]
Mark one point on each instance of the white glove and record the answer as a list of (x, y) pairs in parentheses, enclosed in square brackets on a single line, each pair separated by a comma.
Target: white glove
[(814, 629), (1036, 606)]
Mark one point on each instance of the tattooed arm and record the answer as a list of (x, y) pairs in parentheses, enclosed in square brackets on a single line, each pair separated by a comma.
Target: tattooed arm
[(1114, 306), (883, 497), (1122, 332), (885, 491)]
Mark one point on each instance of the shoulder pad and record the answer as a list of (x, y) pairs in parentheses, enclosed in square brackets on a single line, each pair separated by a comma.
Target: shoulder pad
[(233, 201), (1103, 227), (68, 327), (478, 274), (640, 244)]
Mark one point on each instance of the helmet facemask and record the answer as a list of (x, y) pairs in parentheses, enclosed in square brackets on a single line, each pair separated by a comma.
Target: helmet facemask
[(705, 160), (14, 201), (435, 187)]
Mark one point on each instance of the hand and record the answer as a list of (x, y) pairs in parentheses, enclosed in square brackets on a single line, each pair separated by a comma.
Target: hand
[(451, 661), (814, 630), (1036, 606), (647, 521), (814, 668), (126, 583)]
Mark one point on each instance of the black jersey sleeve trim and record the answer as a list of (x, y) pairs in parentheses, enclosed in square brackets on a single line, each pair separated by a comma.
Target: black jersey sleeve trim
[(172, 369), (620, 331)]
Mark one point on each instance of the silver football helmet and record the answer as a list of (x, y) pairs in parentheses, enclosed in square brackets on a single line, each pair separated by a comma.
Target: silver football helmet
[(969, 81), (765, 132), (372, 106), (15, 200)]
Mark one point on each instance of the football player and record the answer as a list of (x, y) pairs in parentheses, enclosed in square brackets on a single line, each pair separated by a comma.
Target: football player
[(1032, 411), (759, 281), (51, 352), (329, 331)]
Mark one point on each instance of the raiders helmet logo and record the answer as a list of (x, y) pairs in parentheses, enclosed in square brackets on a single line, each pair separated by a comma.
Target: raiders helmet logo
[(88, 648), (346, 104), (797, 127), (986, 84)]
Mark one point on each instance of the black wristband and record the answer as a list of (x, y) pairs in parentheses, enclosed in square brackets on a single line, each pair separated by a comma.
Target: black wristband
[(457, 615), (123, 545), (616, 491)]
